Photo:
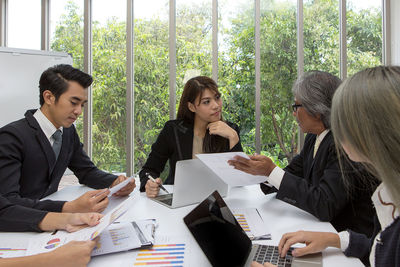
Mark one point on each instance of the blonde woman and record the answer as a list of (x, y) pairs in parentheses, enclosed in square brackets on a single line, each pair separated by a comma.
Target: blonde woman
[(365, 122)]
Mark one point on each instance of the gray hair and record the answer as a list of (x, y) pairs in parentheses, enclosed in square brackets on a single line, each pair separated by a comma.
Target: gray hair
[(366, 118), (314, 90)]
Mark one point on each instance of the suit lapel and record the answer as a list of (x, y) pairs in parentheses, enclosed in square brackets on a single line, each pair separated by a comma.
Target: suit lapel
[(310, 161), (318, 154), (43, 141)]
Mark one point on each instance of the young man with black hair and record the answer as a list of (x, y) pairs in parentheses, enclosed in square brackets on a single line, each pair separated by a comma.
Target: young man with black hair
[(36, 150)]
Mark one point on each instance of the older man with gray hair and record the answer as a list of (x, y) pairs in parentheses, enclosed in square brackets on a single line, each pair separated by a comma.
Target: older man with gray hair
[(313, 180)]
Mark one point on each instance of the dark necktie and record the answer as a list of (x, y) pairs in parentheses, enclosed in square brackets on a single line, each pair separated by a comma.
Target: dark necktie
[(57, 142)]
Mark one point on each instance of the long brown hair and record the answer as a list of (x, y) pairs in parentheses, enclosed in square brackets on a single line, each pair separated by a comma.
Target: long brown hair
[(194, 88)]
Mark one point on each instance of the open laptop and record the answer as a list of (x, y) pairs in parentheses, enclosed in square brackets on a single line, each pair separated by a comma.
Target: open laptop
[(225, 243), (194, 181)]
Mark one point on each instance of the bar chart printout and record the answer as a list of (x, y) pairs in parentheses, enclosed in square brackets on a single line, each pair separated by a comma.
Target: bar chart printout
[(162, 255), (252, 223), (11, 252)]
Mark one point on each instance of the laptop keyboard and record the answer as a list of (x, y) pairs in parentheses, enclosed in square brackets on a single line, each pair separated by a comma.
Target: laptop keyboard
[(167, 199), (271, 254)]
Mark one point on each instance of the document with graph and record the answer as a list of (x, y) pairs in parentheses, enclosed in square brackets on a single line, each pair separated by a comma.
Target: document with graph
[(126, 236), (166, 251), (252, 223), (46, 242)]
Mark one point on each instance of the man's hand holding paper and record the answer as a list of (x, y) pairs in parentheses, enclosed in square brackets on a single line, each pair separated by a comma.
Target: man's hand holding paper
[(254, 164)]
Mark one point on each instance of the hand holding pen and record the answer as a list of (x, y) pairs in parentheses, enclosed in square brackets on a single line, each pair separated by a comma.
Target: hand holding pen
[(153, 186)]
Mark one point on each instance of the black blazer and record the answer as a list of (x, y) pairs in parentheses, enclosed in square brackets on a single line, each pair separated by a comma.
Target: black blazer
[(316, 186), (11, 219), (174, 143), (28, 167)]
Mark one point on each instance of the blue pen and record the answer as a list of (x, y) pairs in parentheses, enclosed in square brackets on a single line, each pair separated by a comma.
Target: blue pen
[(154, 180)]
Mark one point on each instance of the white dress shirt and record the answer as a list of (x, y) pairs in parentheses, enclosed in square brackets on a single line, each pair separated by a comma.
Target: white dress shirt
[(45, 124), (386, 215), (276, 176)]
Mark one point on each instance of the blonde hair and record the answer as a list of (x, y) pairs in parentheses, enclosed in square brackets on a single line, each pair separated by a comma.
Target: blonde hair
[(366, 117)]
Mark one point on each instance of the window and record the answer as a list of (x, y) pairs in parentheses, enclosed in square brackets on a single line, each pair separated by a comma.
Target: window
[(24, 24), (66, 35), (151, 74), (364, 34), (278, 72), (236, 62), (321, 36), (193, 41), (109, 86), (236, 75)]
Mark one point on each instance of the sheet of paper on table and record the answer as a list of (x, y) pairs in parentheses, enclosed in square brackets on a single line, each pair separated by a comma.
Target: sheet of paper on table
[(166, 251), (125, 236), (218, 163)]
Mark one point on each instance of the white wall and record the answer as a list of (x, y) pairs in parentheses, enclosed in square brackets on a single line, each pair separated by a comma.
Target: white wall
[(395, 31), (20, 70)]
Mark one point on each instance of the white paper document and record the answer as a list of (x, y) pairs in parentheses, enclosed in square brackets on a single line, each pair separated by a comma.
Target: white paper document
[(116, 188), (125, 236), (218, 163), (252, 223), (46, 242), (12, 248), (167, 251)]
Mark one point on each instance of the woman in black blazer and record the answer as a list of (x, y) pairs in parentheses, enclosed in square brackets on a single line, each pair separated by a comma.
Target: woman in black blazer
[(199, 128)]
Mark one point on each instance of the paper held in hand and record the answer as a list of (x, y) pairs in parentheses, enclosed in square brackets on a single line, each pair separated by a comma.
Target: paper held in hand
[(46, 242), (116, 188), (218, 163)]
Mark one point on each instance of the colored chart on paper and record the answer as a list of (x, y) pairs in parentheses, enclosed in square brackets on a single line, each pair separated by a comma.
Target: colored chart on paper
[(12, 252), (162, 255), (117, 235), (252, 223), (52, 243), (241, 218)]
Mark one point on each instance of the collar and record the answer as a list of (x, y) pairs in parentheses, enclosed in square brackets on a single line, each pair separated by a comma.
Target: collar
[(45, 124), (322, 135), (385, 209)]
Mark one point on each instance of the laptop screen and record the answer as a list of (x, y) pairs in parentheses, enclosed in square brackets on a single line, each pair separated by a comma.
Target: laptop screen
[(218, 233)]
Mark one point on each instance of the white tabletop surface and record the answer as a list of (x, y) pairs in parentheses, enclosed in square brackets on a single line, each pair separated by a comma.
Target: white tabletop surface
[(279, 216)]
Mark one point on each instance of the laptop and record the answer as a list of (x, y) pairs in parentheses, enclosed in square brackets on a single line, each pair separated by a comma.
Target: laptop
[(194, 181), (225, 243)]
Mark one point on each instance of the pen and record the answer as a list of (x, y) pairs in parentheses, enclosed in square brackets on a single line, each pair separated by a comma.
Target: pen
[(154, 180)]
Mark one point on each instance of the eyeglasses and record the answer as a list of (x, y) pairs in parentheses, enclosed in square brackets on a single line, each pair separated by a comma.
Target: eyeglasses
[(296, 106)]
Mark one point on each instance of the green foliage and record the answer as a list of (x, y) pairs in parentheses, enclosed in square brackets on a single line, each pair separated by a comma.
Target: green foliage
[(236, 63)]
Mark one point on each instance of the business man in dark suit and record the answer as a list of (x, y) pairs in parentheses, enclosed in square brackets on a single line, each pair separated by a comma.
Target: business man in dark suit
[(36, 150), (313, 179)]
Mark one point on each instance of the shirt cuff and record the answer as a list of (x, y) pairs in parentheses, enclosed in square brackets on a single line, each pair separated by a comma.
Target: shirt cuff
[(275, 177), (344, 237)]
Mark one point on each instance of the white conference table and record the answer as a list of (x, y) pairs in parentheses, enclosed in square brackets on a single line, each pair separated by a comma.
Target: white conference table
[(279, 216)]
